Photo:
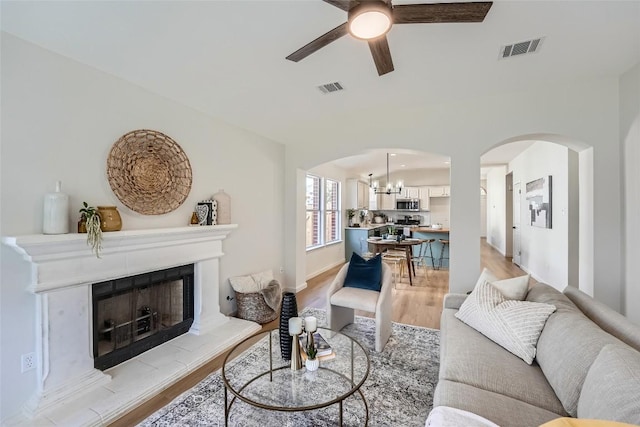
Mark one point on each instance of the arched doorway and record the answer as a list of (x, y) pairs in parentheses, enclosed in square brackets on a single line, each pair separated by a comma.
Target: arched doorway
[(556, 249)]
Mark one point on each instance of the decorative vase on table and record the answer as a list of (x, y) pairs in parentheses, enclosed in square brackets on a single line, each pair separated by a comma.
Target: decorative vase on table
[(109, 218), (312, 364), (288, 309)]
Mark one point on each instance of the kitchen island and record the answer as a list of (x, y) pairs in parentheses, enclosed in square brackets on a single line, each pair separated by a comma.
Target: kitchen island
[(425, 232), (355, 238)]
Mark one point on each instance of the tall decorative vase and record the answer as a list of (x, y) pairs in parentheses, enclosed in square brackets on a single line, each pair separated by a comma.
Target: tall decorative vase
[(56, 212), (109, 218), (224, 207), (288, 310)]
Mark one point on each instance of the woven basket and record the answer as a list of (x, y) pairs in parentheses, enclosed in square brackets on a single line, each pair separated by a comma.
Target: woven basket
[(149, 172), (251, 306)]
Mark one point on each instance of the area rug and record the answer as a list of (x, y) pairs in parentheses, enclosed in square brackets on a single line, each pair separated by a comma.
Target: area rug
[(399, 388)]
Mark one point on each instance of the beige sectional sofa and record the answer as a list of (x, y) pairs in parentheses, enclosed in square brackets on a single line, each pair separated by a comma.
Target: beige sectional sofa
[(587, 365)]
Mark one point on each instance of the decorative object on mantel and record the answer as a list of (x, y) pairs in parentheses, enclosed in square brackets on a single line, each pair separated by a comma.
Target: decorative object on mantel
[(194, 218), (207, 211), (90, 223), (288, 309), (55, 218), (149, 172), (224, 207), (109, 218)]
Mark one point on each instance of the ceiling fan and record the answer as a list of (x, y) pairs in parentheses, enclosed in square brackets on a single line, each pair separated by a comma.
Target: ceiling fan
[(371, 20)]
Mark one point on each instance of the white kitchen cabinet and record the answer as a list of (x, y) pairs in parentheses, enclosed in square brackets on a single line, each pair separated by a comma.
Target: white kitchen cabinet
[(424, 198), (357, 194), (439, 191), (386, 202), (363, 194), (373, 200), (410, 193)]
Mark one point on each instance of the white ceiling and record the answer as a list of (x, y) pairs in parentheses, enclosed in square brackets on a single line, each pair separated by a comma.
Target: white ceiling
[(227, 58)]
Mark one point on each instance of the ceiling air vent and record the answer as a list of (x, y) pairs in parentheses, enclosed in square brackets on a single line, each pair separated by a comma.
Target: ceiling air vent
[(331, 87), (521, 48)]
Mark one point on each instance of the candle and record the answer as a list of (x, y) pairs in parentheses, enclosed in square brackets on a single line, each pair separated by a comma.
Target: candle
[(295, 326), (310, 324)]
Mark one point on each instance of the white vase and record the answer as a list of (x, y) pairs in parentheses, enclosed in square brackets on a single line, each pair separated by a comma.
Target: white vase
[(55, 218), (312, 364)]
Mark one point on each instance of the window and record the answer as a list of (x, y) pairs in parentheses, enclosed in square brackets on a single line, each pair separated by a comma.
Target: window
[(323, 220)]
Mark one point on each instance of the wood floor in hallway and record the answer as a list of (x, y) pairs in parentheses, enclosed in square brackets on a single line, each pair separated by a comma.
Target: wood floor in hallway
[(418, 305)]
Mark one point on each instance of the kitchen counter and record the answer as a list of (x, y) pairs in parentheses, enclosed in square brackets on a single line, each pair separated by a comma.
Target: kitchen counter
[(422, 229), (369, 227)]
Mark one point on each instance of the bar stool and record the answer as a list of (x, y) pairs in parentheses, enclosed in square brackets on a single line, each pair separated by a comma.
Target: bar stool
[(445, 246), (427, 244)]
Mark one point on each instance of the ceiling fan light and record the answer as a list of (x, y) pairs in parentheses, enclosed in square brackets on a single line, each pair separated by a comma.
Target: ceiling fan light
[(369, 20)]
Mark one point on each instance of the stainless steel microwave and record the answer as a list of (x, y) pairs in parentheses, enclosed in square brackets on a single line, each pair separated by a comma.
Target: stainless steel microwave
[(408, 204)]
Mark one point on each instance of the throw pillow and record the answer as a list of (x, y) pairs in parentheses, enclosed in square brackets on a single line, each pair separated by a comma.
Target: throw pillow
[(364, 273), (515, 325), (515, 288), (244, 284), (611, 390)]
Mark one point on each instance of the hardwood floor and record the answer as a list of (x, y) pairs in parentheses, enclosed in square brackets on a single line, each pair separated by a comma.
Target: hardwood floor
[(419, 305)]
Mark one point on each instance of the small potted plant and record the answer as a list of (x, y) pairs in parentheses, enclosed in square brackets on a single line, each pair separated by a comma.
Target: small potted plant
[(312, 363), (90, 223)]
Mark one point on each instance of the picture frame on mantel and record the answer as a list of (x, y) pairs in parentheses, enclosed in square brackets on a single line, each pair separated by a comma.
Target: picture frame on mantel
[(539, 195)]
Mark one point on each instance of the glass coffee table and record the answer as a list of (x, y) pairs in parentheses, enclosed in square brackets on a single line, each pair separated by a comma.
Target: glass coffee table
[(255, 373)]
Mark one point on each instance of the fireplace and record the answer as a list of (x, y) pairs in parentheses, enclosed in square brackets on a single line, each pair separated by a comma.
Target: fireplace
[(134, 314), (69, 389)]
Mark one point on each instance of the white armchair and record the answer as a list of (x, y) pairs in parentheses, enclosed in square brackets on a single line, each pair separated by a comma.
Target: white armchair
[(341, 303)]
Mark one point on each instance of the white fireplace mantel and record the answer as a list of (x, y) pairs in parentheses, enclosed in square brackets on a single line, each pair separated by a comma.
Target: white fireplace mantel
[(62, 260), (63, 268)]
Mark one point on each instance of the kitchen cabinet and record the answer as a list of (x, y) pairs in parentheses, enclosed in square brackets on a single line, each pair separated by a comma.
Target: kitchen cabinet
[(424, 198), (439, 191), (386, 202), (357, 195), (410, 193), (373, 200)]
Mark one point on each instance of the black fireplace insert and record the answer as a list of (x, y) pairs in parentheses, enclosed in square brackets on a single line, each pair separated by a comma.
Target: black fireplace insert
[(134, 314)]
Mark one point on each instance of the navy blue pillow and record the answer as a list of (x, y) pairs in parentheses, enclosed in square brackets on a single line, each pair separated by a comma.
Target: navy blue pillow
[(364, 274)]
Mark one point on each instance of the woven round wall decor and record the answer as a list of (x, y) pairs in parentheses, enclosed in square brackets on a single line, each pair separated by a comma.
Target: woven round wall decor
[(149, 172)]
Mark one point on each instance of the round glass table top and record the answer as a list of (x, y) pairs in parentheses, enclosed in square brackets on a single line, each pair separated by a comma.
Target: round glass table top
[(255, 372)]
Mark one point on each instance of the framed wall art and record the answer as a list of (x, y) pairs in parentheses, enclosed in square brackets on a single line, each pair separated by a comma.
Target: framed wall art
[(539, 196)]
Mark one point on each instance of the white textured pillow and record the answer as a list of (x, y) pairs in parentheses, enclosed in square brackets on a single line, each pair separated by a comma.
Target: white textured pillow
[(515, 288), (515, 325), (263, 278), (485, 276)]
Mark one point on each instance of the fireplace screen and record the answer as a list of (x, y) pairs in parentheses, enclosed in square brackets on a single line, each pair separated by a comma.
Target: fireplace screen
[(134, 314)]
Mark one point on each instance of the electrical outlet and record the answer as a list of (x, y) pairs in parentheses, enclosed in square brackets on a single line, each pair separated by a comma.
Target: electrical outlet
[(28, 362), (281, 269)]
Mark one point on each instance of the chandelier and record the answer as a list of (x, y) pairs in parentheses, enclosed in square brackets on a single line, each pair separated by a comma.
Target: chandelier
[(388, 189)]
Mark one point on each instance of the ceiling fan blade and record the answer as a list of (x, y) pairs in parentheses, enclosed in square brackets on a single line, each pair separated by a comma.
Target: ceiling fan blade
[(318, 43), (440, 12), (381, 55), (345, 5)]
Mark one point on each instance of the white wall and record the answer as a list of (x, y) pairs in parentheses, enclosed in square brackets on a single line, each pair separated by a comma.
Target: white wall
[(496, 208), (630, 137), (544, 252), (59, 120), (322, 259)]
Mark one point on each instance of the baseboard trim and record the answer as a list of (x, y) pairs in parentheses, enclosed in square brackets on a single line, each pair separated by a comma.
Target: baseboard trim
[(327, 268)]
